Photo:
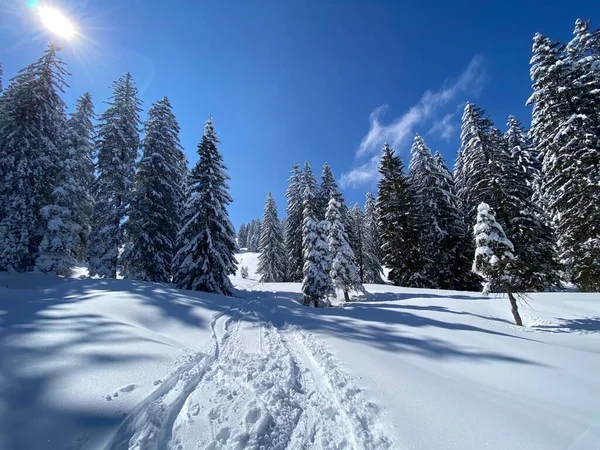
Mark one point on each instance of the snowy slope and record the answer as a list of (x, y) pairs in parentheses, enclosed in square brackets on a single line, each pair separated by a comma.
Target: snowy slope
[(122, 364)]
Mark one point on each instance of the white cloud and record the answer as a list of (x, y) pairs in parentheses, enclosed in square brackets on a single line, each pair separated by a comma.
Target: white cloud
[(444, 127), (471, 80)]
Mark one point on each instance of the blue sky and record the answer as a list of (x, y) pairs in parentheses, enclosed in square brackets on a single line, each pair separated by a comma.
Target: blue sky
[(307, 80)]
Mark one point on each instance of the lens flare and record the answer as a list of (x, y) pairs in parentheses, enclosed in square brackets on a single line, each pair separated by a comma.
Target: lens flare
[(56, 22)]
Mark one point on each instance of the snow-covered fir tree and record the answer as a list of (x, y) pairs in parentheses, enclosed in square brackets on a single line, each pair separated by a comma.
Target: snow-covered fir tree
[(32, 152), (207, 239), (80, 151), (272, 259), (565, 129), (295, 220), (354, 228), (372, 270), (316, 284), (395, 221), (456, 243), (494, 256), (343, 271), (68, 218), (254, 236), (154, 215), (243, 236), (523, 151), (117, 149)]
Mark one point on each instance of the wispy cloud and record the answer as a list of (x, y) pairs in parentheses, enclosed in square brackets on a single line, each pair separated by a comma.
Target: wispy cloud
[(444, 127), (396, 132)]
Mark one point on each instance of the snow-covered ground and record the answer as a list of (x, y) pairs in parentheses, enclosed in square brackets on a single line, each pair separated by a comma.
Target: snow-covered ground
[(119, 364)]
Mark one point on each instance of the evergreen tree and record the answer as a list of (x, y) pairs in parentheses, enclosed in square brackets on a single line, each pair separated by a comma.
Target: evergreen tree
[(427, 201), (343, 272), (254, 236), (316, 285), (117, 149), (294, 233), (327, 189), (81, 135), (272, 259), (355, 236), (394, 211), (32, 151), (523, 151), (565, 130), (372, 269), (154, 215), (243, 236), (493, 256), (456, 243), (207, 239)]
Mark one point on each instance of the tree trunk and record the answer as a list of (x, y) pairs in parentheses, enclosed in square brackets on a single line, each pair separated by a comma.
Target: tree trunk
[(514, 306), (346, 296)]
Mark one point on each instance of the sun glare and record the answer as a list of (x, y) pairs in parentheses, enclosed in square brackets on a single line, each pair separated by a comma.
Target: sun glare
[(56, 22)]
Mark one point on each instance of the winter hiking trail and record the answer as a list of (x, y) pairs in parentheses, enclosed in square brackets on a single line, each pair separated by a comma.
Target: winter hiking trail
[(254, 386)]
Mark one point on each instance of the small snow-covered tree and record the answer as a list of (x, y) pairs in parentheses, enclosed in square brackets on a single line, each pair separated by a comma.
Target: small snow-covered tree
[(244, 272), (343, 271), (117, 146), (154, 215), (494, 256), (272, 258), (206, 242)]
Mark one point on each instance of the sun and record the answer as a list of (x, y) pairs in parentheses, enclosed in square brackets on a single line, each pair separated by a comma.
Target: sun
[(56, 22)]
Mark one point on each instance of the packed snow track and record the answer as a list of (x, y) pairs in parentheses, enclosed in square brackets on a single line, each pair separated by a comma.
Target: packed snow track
[(257, 387)]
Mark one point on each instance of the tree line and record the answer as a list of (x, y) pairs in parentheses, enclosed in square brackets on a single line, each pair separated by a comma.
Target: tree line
[(73, 190)]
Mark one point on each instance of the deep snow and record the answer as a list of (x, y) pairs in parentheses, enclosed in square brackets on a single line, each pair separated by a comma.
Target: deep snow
[(90, 363)]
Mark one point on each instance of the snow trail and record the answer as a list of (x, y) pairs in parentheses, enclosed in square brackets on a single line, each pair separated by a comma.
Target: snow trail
[(256, 387)]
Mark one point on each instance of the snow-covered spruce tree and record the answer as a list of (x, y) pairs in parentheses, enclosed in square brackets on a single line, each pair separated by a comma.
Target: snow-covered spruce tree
[(456, 243), (243, 236), (565, 130), (494, 256), (80, 151), (316, 285), (427, 201), (272, 259), (372, 270), (354, 228), (523, 151), (207, 239), (395, 221), (68, 218), (343, 271), (32, 149), (154, 214), (294, 234), (118, 141), (254, 236)]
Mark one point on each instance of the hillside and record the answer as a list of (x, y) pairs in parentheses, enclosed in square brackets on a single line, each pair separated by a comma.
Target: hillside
[(88, 363)]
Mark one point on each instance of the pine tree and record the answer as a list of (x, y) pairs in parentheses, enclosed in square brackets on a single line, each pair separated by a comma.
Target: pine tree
[(354, 228), (394, 211), (295, 220), (327, 189), (207, 239), (154, 220), (423, 173), (81, 135), (117, 149), (254, 236), (68, 218), (523, 151), (565, 130), (372, 270), (316, 285), (456, 242), (272, 259), (343, 272), (32, 151), (243, 236), (493, 256)]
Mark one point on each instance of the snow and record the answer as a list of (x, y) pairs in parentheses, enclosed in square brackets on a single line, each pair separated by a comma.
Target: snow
[(91, 363)]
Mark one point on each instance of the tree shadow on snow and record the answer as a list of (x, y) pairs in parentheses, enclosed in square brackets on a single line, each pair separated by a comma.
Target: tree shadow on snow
[(587, 324)]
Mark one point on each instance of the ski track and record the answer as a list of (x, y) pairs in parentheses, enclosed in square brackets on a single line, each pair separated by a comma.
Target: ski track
[(254, 387)]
